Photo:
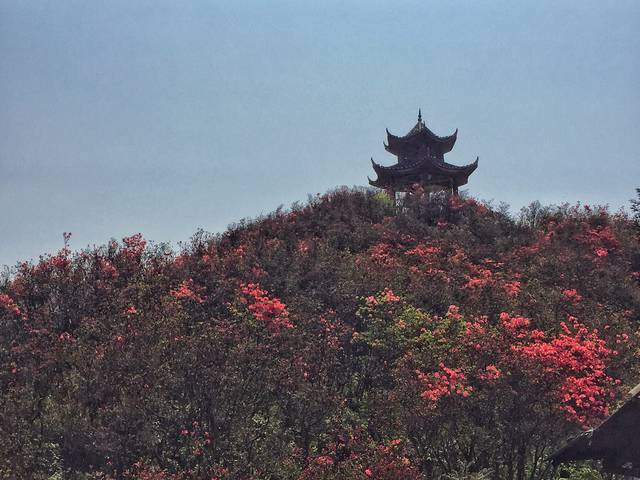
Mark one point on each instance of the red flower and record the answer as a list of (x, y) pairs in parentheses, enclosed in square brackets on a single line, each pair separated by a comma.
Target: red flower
[(514, 324), (134, 245), (389, 296), (491, 373), (454, 312), (572, 295), (106, 268), (446, 382), (512, 289), (324, 460), (9, 305), (186, 291), (264, 308), (424, 252), (303, 247), (382, 255)]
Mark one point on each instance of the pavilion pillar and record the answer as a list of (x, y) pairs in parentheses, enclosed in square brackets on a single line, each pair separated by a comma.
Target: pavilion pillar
[(454, 187)]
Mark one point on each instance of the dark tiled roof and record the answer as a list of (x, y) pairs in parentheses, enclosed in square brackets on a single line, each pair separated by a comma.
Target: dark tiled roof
[(616, 441), (421, 159), (420, 133)]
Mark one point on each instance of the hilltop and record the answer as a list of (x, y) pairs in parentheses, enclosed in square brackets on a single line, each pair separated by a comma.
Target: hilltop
[(347, 337)]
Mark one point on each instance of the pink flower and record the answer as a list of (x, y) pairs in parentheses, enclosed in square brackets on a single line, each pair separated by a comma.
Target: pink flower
[(601, 252), (9, 305), (389, 296), (381, 254), (423, 252), (512, 289), (134, 245), (491, 373), (572, 295), (448, 381), (270, 310), (454, 312), (514, 324), (371, 300), (324, 460), (303, 247), (186, 291), (107, 268)]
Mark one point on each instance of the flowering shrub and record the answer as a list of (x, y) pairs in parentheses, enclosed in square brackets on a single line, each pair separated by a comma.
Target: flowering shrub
[(9, 305), (577, 358), (133, 246), (344, 338), (572, 295), (446, 381), (271, 311), (361, 459), (186, 290)]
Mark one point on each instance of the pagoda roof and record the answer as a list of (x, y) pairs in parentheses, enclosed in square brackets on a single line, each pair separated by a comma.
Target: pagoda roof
[(426, 167), (419, 134), (420, 156)]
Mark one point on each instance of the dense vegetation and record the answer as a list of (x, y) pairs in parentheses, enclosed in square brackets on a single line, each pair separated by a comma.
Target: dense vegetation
[(345, 338)]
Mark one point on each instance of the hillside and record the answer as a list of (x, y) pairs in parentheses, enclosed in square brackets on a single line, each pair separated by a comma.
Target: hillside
[(343, 338)]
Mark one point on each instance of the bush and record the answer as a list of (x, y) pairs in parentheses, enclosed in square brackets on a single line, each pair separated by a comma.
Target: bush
[(344, 338)]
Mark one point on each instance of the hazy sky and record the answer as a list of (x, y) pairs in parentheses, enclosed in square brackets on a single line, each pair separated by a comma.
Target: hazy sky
[(162, 117)]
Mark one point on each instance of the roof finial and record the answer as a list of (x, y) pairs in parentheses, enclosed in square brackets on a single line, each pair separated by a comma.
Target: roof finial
[(419, 115)]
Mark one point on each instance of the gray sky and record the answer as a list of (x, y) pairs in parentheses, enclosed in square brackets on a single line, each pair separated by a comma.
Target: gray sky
[(161, 117)]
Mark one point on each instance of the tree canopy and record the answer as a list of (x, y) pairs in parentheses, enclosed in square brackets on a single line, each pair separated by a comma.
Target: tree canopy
[(346, 337)]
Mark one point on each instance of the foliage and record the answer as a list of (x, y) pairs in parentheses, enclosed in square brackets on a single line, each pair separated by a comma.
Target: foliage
[(345, 338)]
